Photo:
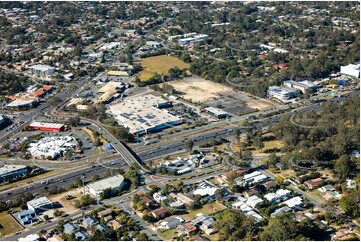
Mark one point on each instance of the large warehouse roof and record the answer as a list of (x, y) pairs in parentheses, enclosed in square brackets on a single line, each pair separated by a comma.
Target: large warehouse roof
[(10, 168), (139, 113), (110, 182)]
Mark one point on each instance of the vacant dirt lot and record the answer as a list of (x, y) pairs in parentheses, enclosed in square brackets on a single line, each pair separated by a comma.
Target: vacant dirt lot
[(200, 90), (159, 64), (259, 104), (217, 95)]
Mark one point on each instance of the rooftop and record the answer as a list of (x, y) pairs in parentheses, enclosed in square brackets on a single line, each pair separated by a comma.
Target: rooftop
[(39, 202), (4, 169), (110, 182)]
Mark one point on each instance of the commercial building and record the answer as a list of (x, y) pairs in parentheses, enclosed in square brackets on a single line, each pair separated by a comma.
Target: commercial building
[(216, 112), (115, 183), (118, 73), (75, 101), (183, 171), (52, 147), (110, 91), (22, 104), (189, 38), (303, 86), (282, 93), (351, 70), (141, 114), (39, 204), (42, 70), (48, 126), (8, 172)]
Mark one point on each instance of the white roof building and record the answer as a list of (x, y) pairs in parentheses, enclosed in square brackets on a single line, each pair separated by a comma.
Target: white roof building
[(140, 114), (41, 203), (52, 146), (294, 202), (283, 192), (42, 68), (219, 113), (253, 201), (272, 197), (351, 70), (206, 189), (30, 237), (350, 184), (255, 215), (114, 183), (241, 206), (282, 93), (19, 103)]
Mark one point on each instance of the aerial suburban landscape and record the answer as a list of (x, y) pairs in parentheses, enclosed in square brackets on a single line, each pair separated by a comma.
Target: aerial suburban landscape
[(169, 121)]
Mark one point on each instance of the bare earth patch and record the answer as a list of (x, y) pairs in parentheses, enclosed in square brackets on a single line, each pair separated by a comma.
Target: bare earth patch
[(199, 90), (259, 104)]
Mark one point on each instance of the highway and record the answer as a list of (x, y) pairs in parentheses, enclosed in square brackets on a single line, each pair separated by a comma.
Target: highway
[(66, 179), (152, 152)]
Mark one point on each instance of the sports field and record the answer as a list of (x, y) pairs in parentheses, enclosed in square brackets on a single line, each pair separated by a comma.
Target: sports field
[(159, 64)]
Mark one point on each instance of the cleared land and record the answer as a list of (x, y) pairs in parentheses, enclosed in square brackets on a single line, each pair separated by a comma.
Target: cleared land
[(209, 208), (259, 104), (159, 64), (8, 224), (198, 90)]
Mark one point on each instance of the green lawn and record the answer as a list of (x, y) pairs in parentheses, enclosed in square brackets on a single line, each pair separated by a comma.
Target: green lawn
[(206, 209), (8, 224), (168, 235), (159, 64)]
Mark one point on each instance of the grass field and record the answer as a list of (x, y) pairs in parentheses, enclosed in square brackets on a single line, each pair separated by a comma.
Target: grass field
[(206, 209), (159, 64), (168, 235), (9, 225)]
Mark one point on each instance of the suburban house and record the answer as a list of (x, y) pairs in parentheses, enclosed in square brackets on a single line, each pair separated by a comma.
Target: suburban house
[(314, 183), (294, 202), (116, 225), (183, 198), (280, 211), (160, 213), (172, 223), (81, 235), (70, 228), (89, 222), (26, 216), (189, 228), (327, 188), (149, 202), (159, 197), (269, 185), (106, 214)]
